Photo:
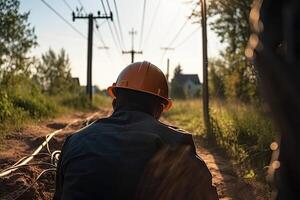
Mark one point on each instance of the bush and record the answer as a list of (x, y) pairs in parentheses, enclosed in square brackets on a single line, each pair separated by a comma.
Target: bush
[(77, 101), (242, 130), (37, 107), (245, 133), (10, 116)]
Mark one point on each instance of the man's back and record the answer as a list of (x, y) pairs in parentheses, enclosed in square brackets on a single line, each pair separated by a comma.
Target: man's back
[(107, 160)]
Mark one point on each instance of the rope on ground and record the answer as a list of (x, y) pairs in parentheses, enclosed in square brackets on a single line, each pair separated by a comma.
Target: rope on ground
[(23, 161), (35, 181)]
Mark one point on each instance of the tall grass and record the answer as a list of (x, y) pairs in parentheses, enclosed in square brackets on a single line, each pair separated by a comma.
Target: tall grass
[(243, 131), (187, 114), (20, 108)]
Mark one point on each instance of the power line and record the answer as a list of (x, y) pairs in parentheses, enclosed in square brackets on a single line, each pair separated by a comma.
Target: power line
[(99, 33), (82, 6), (96, 22), (171, 24), (152, 21), (111, 31), (119, 24), (143, 22), (174, 38), (115, 27), (68, 5), (187, 37), (90, 18), (132, 52), (64, 19), (178, 32)]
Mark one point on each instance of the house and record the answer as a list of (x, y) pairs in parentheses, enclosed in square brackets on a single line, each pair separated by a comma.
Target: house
[(76, 81), (95, 89), (190, 83)]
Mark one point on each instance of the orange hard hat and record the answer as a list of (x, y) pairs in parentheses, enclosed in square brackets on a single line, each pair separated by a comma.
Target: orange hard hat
[(143, 77)]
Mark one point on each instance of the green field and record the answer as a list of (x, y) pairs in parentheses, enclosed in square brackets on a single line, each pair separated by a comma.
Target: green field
[(243, 131)]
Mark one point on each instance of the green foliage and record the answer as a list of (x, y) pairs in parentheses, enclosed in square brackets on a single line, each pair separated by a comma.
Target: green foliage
[(245, 132), (16, 37), (177, 91), (231, 23), (6, 107), (54, 73), (229, 19), (37, 106), (32, 89), (216, 75), (242, 130)]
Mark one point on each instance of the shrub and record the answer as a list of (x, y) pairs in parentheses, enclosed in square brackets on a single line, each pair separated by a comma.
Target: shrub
[(242, 130), (36, 106)]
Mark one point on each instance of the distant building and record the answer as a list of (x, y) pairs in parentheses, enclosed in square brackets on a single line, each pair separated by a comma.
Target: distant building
[(190, 84), (95, 89), (76, 81)]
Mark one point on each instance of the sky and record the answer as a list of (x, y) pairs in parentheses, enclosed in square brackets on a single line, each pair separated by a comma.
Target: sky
[(165, 16)]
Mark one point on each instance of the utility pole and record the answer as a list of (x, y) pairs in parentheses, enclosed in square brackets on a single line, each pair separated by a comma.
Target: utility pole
[(132, 51), (91, 18), (168, 70), (165, 49), (205, 94)]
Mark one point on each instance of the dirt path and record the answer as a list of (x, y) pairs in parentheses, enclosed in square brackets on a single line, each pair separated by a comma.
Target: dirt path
[(229, 183), (24, 143), (20, 144)]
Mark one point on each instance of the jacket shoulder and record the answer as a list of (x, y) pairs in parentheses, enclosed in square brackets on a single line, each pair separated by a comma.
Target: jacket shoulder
[(177, 135)]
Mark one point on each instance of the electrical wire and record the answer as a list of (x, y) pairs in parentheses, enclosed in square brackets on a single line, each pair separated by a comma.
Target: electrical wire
[(171, 24), (35, 181), (64, 19), (152, 22), (178, 33), (68, 5), (111, 31), (25, 157), (84, 10), (28, 165), (115, 27), (143, 22), (119, 23), (187, 37), (174, 38), (99, 33)]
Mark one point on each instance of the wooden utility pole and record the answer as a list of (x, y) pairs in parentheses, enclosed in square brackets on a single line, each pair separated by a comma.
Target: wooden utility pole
[(132, 51), (165, 49), (205, 94), (168, 70), (91, 18)]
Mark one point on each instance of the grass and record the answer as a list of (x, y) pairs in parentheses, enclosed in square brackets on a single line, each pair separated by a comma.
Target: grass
[(187, 114), (243, 131), (19, 109)]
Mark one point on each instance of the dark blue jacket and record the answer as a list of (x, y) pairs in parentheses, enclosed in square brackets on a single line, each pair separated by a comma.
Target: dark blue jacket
[(108, 159)]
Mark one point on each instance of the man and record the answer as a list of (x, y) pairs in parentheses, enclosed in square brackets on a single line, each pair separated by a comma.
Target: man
[(131, 155)]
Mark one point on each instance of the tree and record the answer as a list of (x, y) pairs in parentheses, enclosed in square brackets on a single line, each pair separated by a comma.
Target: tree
[(16, 38), (176, 88), (54, 73), (217, 73), (230, 21)]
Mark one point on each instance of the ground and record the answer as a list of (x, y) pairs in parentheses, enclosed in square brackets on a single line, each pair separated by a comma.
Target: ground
[(19, 144)]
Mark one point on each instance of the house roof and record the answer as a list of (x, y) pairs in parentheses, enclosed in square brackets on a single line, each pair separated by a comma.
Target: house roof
[(76, 80), (182, 78)]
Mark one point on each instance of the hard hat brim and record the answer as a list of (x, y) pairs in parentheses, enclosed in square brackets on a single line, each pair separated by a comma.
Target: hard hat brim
[(167, 106)]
